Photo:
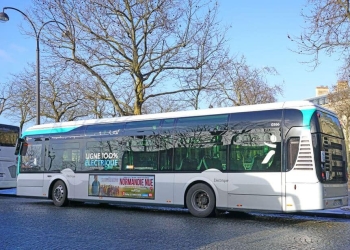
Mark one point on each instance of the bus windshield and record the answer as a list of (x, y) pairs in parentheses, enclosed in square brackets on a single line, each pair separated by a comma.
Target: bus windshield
[(8, 135)]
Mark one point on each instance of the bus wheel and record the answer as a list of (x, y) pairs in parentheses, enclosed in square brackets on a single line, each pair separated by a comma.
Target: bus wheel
[(200, 200), (59, 194)]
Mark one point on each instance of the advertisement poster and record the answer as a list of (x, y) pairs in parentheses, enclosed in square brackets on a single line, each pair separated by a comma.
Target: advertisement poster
[(136, 187)]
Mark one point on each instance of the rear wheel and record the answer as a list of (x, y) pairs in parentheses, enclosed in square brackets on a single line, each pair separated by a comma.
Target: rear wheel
[(200, 200), (59, 194)]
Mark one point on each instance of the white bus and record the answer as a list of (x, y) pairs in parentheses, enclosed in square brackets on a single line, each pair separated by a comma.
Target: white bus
[(279, 157), (8, 162)]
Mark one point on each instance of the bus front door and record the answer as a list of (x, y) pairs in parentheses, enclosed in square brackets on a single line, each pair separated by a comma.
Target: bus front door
[(31, 175)]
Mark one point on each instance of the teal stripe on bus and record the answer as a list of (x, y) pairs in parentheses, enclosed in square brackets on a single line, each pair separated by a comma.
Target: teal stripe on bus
[(50, 131), (307, 114)]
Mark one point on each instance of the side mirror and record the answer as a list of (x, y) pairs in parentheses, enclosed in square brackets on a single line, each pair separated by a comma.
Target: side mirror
[(21, 147)]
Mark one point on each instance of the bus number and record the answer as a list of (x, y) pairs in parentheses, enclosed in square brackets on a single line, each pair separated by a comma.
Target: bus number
[(275, 124)]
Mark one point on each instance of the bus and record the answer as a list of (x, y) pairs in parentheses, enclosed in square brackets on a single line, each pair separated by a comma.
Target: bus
[(276, 157), (8, 162)]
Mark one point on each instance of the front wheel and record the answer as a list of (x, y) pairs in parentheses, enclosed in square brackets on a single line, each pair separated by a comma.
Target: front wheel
[(59, 194), (200, 200)]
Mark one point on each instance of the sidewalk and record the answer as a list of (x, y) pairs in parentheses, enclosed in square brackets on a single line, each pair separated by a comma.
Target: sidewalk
[(343, 212)]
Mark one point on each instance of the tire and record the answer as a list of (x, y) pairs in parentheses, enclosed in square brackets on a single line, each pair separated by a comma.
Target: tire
[(59, 194), (201, 201)]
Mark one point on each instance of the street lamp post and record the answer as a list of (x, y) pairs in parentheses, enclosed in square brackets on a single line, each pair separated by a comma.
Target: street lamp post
[(4, 18)]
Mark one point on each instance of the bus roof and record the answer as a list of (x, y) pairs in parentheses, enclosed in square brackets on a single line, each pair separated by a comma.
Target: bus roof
[(213, 111)]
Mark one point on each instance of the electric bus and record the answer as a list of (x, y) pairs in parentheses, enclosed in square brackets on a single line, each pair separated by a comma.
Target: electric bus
[(277, 157)]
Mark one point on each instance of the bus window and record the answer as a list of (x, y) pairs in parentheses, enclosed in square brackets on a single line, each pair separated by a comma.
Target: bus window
[(166, 144), (255, 119), (330, 125), (8, 135), (293, 149), (32, 161), (63, 155), (198, 143), (142, 127), (103, 154), (256, 150), (293, 118), (141, 153)]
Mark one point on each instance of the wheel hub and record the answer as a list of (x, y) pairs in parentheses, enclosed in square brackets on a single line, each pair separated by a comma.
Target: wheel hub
[(58, 193), (202, 200)]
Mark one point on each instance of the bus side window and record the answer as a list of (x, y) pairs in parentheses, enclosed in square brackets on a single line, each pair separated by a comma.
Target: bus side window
[(165, 159), (236, 164), (189, 164), (258, 163), (293, 148), (63, 155)]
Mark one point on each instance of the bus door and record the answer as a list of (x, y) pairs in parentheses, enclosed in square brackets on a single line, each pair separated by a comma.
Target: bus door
[(62, 157), (255, 178), (31, 173), (300, 175)]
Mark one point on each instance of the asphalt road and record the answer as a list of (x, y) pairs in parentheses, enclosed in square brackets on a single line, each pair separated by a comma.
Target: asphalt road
[(38, 224)]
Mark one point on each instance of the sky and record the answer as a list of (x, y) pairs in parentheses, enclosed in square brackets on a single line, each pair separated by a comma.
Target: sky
[(259, 32)]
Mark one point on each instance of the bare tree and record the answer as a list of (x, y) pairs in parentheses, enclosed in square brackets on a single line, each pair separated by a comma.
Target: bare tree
[(21, 102), (96, 101), (327, 29), (60, 100), (138, 45), (240, 84), (211, 50), (168, 103), (59, 96), (4, 95)]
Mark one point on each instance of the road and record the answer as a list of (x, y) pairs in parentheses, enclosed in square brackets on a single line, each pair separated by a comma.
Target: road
[(38, 224)]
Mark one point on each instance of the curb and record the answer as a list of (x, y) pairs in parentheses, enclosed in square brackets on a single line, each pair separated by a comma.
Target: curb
[(9, 195), (323, 214)]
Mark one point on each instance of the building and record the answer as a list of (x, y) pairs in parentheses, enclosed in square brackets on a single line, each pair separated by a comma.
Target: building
[(322, 92), (321, 96)]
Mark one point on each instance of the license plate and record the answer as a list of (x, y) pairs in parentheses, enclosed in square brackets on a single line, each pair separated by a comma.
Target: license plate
[(337, 202)]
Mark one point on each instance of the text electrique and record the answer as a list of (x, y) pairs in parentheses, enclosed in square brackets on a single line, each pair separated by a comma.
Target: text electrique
[(95, 163)]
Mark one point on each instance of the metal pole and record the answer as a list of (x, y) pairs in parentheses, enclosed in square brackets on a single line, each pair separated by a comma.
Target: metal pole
[(37, 81)]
